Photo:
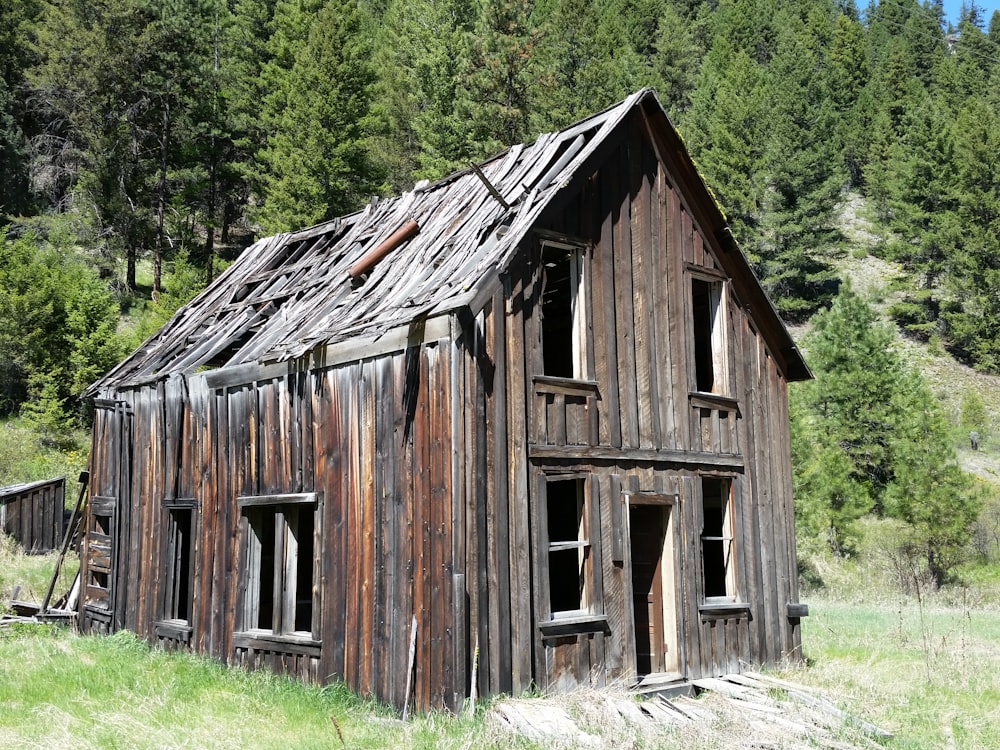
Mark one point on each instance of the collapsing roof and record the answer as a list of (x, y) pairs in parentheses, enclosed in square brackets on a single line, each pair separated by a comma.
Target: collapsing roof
[(432, 250)]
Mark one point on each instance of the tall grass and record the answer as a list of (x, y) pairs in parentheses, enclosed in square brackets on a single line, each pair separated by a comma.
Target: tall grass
[(32, 573), (930, 675), (62, 690)]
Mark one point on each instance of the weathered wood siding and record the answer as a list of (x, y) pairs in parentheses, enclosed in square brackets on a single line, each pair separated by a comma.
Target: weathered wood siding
[(373, 440), (427, 468), (33, 514), (651, 433)]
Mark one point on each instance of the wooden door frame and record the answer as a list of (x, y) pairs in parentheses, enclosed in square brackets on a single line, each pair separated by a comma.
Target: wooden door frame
[(672, 543)]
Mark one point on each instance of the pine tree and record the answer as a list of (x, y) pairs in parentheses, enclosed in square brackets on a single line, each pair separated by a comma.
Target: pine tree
[(828, 497), (725, 132), (15, 125), (929, 491), (868, 437), (120, 80), (676, 61), (422, 54), (316, 165), (503, 73), (975, 54), (972, 313), (244, 89), (804, 177), (919, 178), (848, 66), (857, 371), (58, 326)]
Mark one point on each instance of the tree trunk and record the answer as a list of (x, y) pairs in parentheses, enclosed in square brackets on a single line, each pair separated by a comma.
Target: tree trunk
[(161, 199), (210, 219), (130, 254)]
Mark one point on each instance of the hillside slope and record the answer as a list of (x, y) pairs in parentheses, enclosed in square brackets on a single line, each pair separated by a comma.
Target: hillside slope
[(880, 281)]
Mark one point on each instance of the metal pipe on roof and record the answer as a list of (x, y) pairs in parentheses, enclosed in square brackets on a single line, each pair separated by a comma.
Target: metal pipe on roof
[(390, 243)]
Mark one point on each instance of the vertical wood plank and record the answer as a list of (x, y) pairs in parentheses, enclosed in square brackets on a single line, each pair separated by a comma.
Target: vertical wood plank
[(506, 597), (624, 312), (479, 503), (604, 266), (387, 559), (404, 607), (677, 314), (644, 337), (370, 589)]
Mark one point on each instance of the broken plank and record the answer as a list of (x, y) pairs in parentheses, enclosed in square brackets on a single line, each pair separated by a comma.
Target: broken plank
[(692, 708), (730, 690)]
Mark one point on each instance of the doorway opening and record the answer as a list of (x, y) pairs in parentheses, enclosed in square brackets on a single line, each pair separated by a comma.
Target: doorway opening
[(654, 599)]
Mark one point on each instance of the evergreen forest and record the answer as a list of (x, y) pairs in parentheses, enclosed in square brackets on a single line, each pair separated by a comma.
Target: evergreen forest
[(143, 143)]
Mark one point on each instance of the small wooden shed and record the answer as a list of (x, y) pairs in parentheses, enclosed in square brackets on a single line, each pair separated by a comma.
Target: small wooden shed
[(32, 513), (540, 406)]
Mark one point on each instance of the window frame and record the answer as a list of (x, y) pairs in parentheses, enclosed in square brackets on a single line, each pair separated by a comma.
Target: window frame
[(579, 313), (716, 333), (730, 553), (284, 568), (101, 536), (173, 550), (589, 615)]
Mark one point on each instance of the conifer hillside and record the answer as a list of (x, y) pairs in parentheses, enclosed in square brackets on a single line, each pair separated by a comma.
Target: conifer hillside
[(143, 143)]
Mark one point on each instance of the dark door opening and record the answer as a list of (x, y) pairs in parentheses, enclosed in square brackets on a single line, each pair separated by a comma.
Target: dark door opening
[(653, 589)]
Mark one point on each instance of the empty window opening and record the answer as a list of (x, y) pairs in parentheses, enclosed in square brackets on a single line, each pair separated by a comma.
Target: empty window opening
[(101, 524), (260, 593), (180, 551), (569, 545), (279, 579), (563, 328), (717, 538), (100, 550), (709, 335), (301, 528)]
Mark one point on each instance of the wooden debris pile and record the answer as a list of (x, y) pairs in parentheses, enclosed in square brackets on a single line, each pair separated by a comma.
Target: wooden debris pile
[(748, 710), (63, 608)]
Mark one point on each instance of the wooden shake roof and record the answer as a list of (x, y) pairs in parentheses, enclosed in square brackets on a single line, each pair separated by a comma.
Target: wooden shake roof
[(432, 250)]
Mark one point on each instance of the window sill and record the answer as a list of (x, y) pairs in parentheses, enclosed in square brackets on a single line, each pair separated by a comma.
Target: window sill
[(567, 386), (574, 624), (265, 640), (703, 400), (724, 611), (178, 630)]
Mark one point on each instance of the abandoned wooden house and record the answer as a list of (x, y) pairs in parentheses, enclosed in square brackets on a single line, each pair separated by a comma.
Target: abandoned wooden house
[(538, 406), (32, 513)]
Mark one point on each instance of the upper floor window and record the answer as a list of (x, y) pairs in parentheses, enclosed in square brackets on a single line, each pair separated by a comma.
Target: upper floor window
[(710, 346), (564, 328)]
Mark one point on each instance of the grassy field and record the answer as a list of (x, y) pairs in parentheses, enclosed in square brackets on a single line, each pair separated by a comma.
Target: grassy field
[(933, 679), (61, 690), (926, 669), (928, 673)]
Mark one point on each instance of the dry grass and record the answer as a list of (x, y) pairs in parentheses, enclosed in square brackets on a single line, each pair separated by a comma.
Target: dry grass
[(928, 672), (31, 573)]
